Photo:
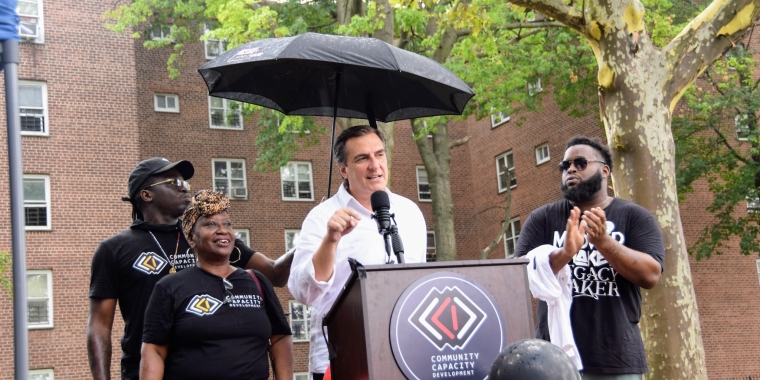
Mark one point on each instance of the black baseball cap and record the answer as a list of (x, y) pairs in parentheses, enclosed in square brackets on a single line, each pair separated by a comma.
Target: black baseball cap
[(151, 166)]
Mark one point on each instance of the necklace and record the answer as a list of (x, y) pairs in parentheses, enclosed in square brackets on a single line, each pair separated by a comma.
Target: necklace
[(173, 261)]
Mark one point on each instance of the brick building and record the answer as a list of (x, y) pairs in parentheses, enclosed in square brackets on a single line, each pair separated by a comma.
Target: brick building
[(93, 110)]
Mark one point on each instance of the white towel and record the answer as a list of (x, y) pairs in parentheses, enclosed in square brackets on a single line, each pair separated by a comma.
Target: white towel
[(557, 291)]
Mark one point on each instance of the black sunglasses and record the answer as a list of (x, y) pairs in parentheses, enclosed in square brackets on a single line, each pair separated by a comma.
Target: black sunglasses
[(178, 183), (227, 291), (580, 163)]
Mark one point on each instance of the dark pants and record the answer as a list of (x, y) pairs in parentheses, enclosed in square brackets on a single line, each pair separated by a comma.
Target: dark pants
[(318, 376)]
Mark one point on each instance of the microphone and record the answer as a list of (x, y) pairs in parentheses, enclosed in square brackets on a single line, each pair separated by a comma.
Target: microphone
[(398, 246), (381, 206)]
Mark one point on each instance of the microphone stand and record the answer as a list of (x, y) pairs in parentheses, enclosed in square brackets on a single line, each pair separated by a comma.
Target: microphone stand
[(392, 241)]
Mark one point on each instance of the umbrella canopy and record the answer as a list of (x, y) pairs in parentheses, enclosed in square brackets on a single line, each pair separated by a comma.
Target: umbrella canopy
[(299, 76)]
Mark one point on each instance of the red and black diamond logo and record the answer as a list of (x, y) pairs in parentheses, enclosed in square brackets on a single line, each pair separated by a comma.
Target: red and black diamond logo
[(447, 317)]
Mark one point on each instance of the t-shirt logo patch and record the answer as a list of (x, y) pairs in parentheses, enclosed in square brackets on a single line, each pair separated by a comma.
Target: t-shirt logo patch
[(203, 304), (149, 263)]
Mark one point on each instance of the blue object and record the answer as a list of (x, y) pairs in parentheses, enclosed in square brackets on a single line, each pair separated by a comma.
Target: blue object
[(8, 20)]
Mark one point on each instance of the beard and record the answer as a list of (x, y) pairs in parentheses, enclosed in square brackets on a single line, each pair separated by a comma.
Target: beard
[(584, 189)]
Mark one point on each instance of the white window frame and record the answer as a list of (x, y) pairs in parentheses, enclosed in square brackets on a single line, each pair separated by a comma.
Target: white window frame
[(45, 371), (49, 275), (295, 234), (429, 254), (420, 193), (229, 162), (306, 321), (540, 158), (514, 237), (243, 234), (225, 109), (300, 375), (741, 127), (48, 223), (221, 43), (506, 164), (37, 19), (535, 87), (157, 108), (757, 262), (164, 32), (753, 206), (294, 167), (45, 118), (498, 119)]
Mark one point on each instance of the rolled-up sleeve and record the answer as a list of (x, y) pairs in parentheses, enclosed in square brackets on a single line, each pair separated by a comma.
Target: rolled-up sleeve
[(302, 283)]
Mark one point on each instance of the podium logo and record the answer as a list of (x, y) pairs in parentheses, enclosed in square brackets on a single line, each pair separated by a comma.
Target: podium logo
[(149, 263), (446, 325), (447, 317)]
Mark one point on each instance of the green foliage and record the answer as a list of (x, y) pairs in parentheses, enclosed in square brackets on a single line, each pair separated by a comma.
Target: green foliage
[(5, 272), (717, 139), (280, 136)]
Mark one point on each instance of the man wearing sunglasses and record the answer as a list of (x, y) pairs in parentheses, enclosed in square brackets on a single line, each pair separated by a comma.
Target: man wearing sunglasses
[(590, 255), (126, 266)]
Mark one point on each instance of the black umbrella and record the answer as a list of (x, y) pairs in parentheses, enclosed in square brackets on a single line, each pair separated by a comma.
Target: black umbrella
[(301, 75)]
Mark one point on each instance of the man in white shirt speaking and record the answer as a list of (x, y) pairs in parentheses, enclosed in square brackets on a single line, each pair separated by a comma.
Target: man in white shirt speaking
[(342, 227)]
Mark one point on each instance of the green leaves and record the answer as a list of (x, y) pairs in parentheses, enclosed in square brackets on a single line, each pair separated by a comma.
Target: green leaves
[(717, 139)]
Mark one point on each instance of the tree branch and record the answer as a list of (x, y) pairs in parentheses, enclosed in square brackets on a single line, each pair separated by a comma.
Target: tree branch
[(564, 13), (724, 141), (458, 142), (533, 25), (705, 39)]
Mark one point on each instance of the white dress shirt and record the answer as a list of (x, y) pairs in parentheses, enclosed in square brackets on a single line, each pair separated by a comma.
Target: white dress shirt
[(557, 291), (364, 243)]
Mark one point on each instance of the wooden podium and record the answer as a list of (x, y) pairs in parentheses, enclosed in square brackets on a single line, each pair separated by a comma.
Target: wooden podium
[(358, 325)]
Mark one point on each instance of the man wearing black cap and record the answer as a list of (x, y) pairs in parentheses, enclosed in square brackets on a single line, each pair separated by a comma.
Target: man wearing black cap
[(126, 266)]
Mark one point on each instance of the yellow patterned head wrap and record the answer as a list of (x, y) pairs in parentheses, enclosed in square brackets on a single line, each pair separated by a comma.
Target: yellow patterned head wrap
[(205, 203)]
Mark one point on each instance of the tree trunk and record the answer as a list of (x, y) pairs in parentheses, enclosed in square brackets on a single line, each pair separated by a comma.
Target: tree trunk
[(636, 113), (437, 162), (388, 129)]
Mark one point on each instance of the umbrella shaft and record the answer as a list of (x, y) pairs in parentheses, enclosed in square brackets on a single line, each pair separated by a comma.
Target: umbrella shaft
[(332, 138)]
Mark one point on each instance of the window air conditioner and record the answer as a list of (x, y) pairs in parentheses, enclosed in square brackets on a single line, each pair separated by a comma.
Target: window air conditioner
[(239, 192), (28, 30)]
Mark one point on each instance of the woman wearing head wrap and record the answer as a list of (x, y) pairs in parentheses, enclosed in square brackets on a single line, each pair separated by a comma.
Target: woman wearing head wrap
[(214, 321)]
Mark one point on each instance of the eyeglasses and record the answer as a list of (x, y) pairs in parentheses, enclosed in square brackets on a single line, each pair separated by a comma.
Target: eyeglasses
[(227, 291), (174, 181), (580, 163)]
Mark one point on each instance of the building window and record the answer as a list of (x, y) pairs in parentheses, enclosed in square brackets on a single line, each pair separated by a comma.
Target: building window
[(510, 237), (542, 154), (32, 97), (212, 46), (290, 239), (229, 178), (505, 164), (30, 21), (742, 127), (244, 235), (300, 376), (296, 182), (39, 298), (41, 374), (430, 255), (758, 268), (224, 113), (423, 186), (300, 316), (753, 205), (535, 87), (37, 202), (166, 103), (498, 119), (161, 32)]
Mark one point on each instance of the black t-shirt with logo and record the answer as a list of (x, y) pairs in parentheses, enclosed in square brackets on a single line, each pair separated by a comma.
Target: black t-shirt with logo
[(208, 338), (128, 265), (606, 307)]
